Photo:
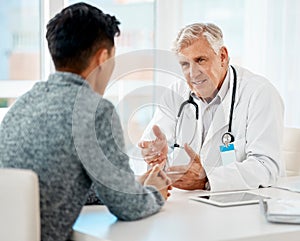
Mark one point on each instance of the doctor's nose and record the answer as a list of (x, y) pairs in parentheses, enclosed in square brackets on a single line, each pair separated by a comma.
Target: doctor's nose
[(194, 70)]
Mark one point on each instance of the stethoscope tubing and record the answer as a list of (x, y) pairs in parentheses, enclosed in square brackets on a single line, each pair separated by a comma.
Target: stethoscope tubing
[(191, 101)]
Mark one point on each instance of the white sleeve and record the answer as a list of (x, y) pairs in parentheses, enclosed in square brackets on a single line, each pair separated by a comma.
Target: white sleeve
[(264, 132), (166, 112)]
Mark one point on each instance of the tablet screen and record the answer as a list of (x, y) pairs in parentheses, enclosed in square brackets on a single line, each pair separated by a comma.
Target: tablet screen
[(229, 199)]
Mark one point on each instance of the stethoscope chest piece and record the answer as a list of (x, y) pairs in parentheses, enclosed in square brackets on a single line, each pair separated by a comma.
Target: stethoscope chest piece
[(227, 138)]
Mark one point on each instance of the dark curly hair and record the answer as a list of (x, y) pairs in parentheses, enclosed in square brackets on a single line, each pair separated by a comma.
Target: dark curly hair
[(77, 32)]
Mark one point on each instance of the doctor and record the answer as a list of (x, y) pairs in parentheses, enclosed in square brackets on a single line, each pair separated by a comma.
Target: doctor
[(228, 134)]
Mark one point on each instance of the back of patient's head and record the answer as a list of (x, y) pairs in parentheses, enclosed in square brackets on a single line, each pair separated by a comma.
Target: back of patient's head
[(76, 33)]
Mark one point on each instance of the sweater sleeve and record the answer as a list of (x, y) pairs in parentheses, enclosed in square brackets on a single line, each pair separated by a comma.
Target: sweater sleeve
[(100, 146)]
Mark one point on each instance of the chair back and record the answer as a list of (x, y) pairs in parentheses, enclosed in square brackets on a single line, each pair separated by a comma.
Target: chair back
[(291, 151), (19, 205)]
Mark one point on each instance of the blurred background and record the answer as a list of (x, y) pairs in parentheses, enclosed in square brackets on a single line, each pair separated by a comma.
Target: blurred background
[(261, 35)]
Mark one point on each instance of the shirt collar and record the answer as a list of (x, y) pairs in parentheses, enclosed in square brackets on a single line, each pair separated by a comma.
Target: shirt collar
[(60, 77), (225, 86)]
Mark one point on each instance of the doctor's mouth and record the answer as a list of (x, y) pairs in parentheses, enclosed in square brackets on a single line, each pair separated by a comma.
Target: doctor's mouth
[(199, 82)]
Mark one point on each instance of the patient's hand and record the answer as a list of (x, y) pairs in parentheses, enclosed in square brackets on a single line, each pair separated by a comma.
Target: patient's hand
[(157, 178)]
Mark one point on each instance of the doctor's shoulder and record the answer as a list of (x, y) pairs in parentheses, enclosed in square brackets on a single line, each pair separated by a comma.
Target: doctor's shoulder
[(177, 92), (254, 85), (253, 82), (180, 86)]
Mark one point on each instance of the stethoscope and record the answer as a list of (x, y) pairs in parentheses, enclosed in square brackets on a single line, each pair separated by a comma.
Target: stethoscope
[(227, 137)]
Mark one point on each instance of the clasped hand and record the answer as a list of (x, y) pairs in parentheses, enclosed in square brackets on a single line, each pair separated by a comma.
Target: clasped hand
[(157, 178)]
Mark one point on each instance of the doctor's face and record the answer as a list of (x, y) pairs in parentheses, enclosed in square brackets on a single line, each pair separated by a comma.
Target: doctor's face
[(203, 69)]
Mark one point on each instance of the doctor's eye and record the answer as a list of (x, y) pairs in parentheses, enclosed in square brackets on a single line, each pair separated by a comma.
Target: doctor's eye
[(200, 60), (184, 64)]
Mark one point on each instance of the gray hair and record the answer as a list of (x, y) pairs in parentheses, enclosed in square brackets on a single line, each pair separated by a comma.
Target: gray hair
[(192, 32)]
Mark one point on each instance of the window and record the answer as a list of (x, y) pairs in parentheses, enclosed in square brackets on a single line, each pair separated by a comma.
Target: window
[(130, 89), (19, 49), (261, 35)]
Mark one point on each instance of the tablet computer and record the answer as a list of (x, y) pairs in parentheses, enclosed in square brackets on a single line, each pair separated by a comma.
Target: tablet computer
[(229, 198)]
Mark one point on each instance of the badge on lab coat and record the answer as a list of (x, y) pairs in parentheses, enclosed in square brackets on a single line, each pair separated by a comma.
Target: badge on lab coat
[(227, 154)]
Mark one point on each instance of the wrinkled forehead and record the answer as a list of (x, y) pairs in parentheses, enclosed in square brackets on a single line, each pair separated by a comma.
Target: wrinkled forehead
[(196, 49)]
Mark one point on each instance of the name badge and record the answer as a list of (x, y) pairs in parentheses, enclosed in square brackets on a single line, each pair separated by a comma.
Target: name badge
[(227, 154)]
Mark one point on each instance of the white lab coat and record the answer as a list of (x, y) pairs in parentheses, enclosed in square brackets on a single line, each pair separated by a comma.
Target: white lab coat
[(257, 126)]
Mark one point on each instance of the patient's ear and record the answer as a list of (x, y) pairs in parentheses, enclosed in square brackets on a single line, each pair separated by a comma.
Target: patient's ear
[(102, 55)]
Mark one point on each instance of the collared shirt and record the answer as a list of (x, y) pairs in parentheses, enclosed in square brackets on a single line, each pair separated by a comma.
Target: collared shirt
[(208, 110)]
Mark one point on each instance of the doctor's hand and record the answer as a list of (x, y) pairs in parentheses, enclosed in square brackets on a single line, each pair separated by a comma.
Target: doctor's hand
[(191, 176), (155, 151), (157, 178)]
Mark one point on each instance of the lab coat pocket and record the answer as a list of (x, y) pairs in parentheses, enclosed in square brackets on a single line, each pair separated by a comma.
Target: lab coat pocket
[(239, 147)]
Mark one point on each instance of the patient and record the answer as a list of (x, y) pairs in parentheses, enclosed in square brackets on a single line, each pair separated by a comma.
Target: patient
[(70, 136)]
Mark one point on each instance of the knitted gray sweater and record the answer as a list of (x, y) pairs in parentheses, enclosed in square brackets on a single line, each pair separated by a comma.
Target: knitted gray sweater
[(71, 137)]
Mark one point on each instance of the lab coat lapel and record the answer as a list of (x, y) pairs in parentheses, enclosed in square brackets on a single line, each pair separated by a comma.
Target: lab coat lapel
[(220, 120), (221, 117)]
